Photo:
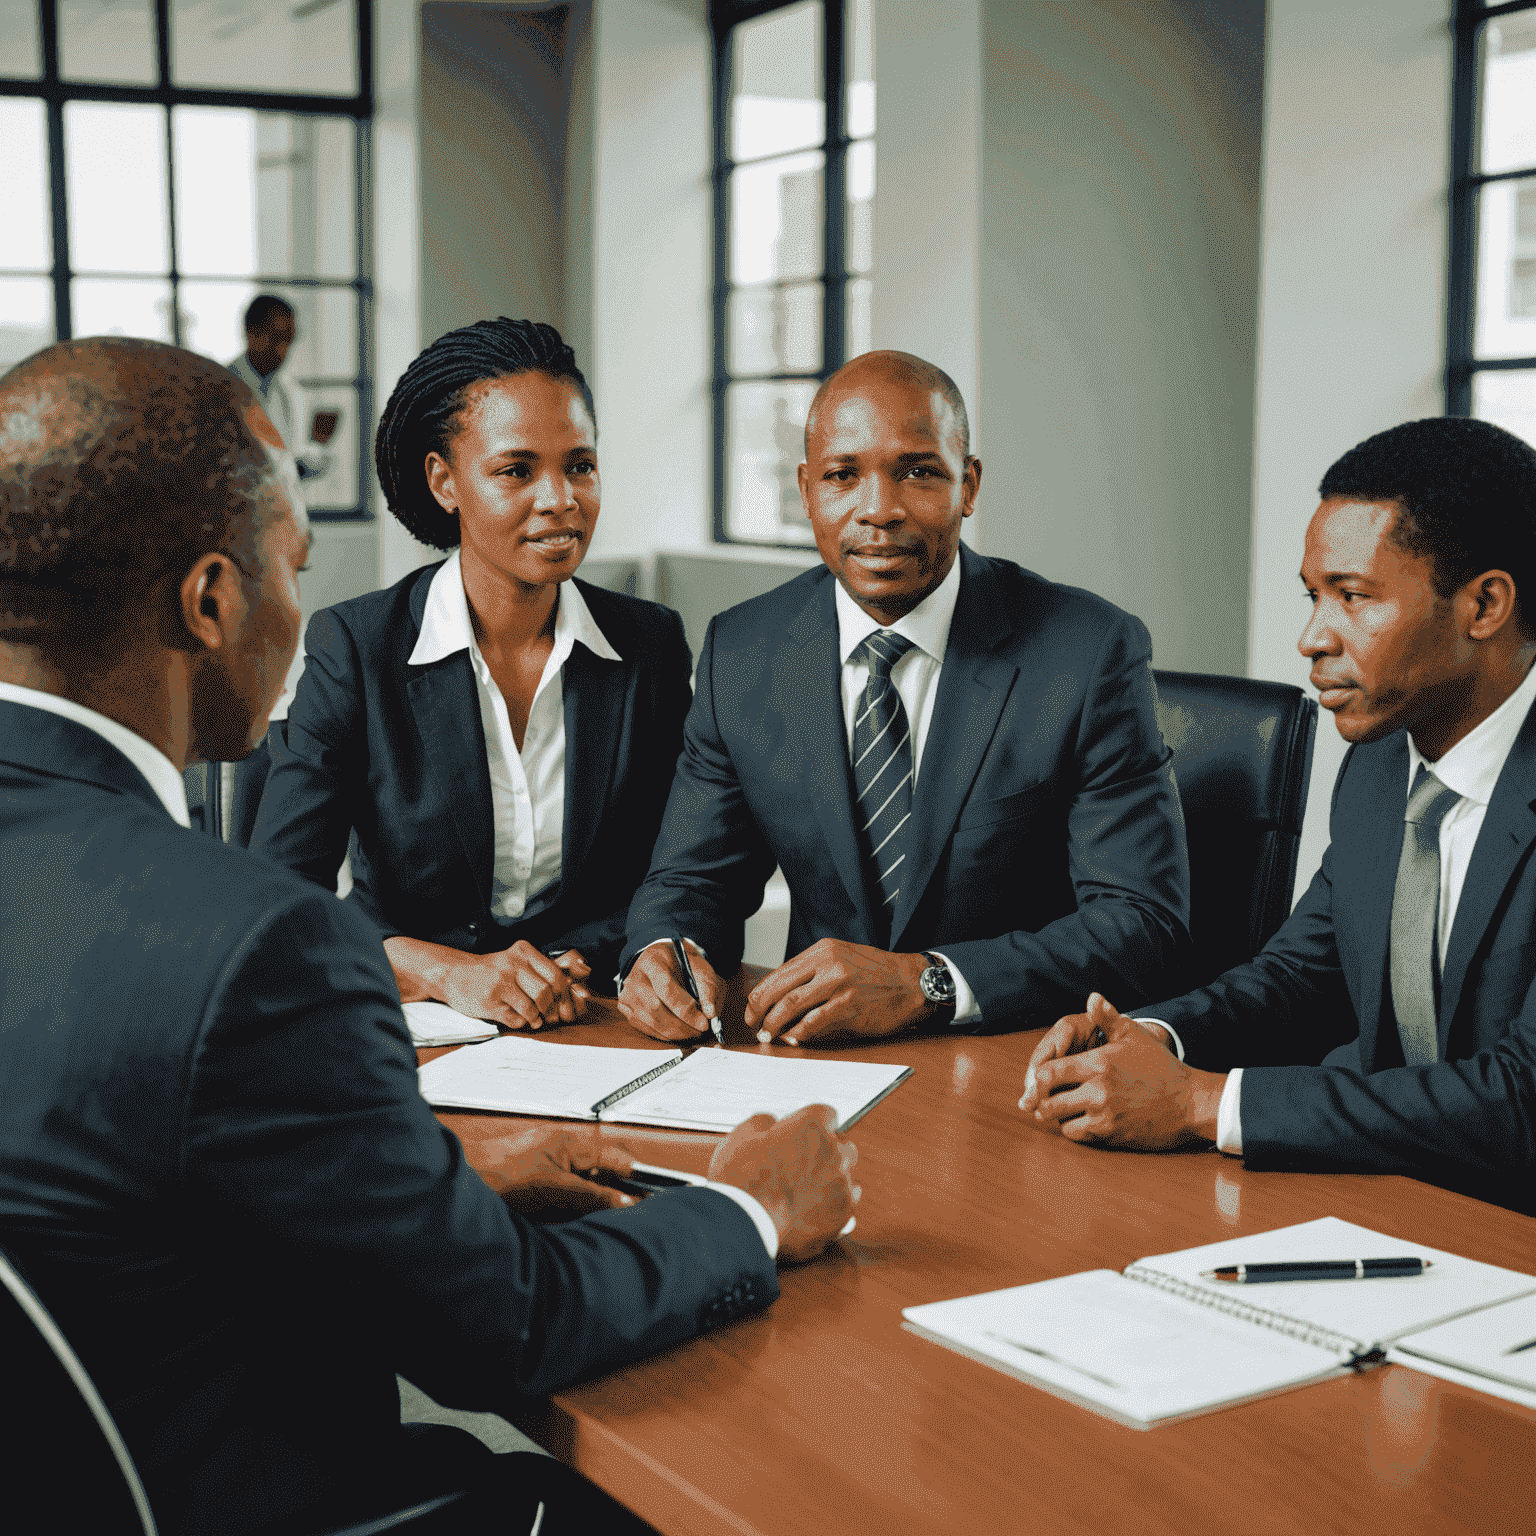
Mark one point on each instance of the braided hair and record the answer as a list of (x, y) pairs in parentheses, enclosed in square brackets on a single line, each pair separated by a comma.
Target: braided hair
[(421, 416)]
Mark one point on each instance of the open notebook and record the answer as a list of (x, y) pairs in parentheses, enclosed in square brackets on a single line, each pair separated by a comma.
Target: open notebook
[(1493, 1350), (707, 1090), (1159, 1342), (438, 1024)]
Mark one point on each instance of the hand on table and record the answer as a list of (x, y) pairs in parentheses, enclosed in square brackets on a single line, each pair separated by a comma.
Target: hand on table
[(837, 989), (799, 1169), (655, 996), (539, 1172), (518, 987), (1101, 1077)]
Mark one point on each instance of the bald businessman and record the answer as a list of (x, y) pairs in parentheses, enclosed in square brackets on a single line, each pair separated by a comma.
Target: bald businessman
[(955, 762), (1390, 1025), (215, 1167)]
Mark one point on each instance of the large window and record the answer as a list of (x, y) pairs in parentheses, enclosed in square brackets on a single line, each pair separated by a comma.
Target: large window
[(1492, 310), (166, 160), (794, 251)]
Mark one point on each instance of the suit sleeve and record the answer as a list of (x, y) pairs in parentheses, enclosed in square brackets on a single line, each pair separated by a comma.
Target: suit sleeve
[(711, 860), (1126, 858), (306, 1138), (319, 760), (601, 938)]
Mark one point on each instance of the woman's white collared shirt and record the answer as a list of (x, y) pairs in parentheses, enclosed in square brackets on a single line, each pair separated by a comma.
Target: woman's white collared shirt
[(527, 787)]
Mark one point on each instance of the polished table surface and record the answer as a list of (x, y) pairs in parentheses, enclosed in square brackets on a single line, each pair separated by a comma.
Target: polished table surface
[(822, 1414)]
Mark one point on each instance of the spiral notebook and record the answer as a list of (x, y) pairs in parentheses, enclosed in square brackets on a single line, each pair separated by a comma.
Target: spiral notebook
[(1158, 1342), (705, 1090)]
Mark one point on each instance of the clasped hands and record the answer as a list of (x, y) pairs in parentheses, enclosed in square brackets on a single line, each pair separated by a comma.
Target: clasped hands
[(798, 1169), (833, 990), (519, 987), (1103, 1078)]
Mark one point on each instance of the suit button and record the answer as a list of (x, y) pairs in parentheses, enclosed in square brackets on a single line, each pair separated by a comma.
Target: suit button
[(474, 928)]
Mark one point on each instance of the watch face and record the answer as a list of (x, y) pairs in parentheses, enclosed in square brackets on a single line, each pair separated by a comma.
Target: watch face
[(937, 984)]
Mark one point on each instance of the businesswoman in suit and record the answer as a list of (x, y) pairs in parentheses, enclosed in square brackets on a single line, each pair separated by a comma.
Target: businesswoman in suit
[(500, 736)]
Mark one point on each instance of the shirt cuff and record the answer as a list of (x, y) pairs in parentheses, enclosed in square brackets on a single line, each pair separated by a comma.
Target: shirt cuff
[(1173, 1034), (966, 1011), (1229, 1115), (753, 1207)]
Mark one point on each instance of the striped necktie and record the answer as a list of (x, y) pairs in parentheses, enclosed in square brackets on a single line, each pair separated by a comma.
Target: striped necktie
[(1414, 966), (882, 769)]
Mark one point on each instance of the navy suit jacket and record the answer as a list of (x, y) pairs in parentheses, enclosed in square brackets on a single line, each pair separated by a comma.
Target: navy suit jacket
[(398, 753), (1310, 1019), (1047, 857), (216, 1169)]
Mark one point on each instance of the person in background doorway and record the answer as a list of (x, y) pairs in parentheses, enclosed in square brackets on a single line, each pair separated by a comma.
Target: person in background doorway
[(270, 330)]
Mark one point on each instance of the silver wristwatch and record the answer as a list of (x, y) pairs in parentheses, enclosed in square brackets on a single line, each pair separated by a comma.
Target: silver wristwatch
[(937, 983)]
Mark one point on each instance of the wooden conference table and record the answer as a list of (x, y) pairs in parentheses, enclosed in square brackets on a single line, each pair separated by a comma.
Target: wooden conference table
[(822, 1415)]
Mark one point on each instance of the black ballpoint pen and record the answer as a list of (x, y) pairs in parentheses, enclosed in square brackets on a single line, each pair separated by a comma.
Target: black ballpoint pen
[(691, 982), (1318, 1269)]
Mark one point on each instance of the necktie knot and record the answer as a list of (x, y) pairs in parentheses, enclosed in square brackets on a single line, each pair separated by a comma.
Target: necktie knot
[(882, 650), (1429, 801)]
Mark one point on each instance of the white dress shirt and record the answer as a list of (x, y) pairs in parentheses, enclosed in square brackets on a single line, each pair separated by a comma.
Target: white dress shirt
[(163, 775), (1472, 768), (527, 786), (916, 680), (166, 782), (287, 407)]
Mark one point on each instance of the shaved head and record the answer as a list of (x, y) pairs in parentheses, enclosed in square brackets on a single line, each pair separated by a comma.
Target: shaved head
[(893, 367), (121, 462)]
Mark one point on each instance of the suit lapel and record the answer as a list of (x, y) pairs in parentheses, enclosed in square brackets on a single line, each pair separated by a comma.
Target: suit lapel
[(814, 727), (1365, 883), (1502, 842), (974, 685), (594, 691), (447, 712)]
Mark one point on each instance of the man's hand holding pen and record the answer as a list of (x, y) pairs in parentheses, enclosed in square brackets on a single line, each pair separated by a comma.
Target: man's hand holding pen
[(656, 998)]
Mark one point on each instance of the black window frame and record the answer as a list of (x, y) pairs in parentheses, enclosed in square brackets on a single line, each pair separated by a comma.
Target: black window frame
[(1462, 362), (55, 91), (724, 17)]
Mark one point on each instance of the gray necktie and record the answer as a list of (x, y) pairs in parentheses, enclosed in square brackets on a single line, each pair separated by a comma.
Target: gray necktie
[(1415, 961)]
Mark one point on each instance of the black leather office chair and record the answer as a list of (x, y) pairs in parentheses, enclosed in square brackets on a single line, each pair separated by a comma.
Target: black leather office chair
[(223, 798), (60, 1439), (1242, 755)]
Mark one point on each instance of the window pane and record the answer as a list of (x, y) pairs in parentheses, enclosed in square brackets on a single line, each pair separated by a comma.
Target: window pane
[(26, 317), (776, 220), (108, 40), (1508, 400), (21, 55), (765, 441), (1507, 131), (859, 50), (776, 96), (860, 292), (776, 330), (336, 489), (25, 237), (114, 306), (266, 45), (264, 193), (1506, 270), (325, 319), (115, 168), (861, 206)]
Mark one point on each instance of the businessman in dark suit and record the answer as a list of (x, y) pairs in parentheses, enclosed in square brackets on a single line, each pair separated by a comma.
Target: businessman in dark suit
[(1390, 1025), (955, 762), (215, 1167)]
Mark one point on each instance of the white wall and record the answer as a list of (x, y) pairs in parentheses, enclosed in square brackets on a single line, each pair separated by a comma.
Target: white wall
[(648, 75), (1352, 334)]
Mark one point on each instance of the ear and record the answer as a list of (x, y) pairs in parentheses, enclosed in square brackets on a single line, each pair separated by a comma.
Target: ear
[(970, 485), (440, 483), (1487, 603), (802, 477), (213, 603)]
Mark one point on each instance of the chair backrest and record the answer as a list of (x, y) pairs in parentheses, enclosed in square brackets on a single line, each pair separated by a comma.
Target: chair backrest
[(1242, 755), (59, 1438), (222, 798)]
